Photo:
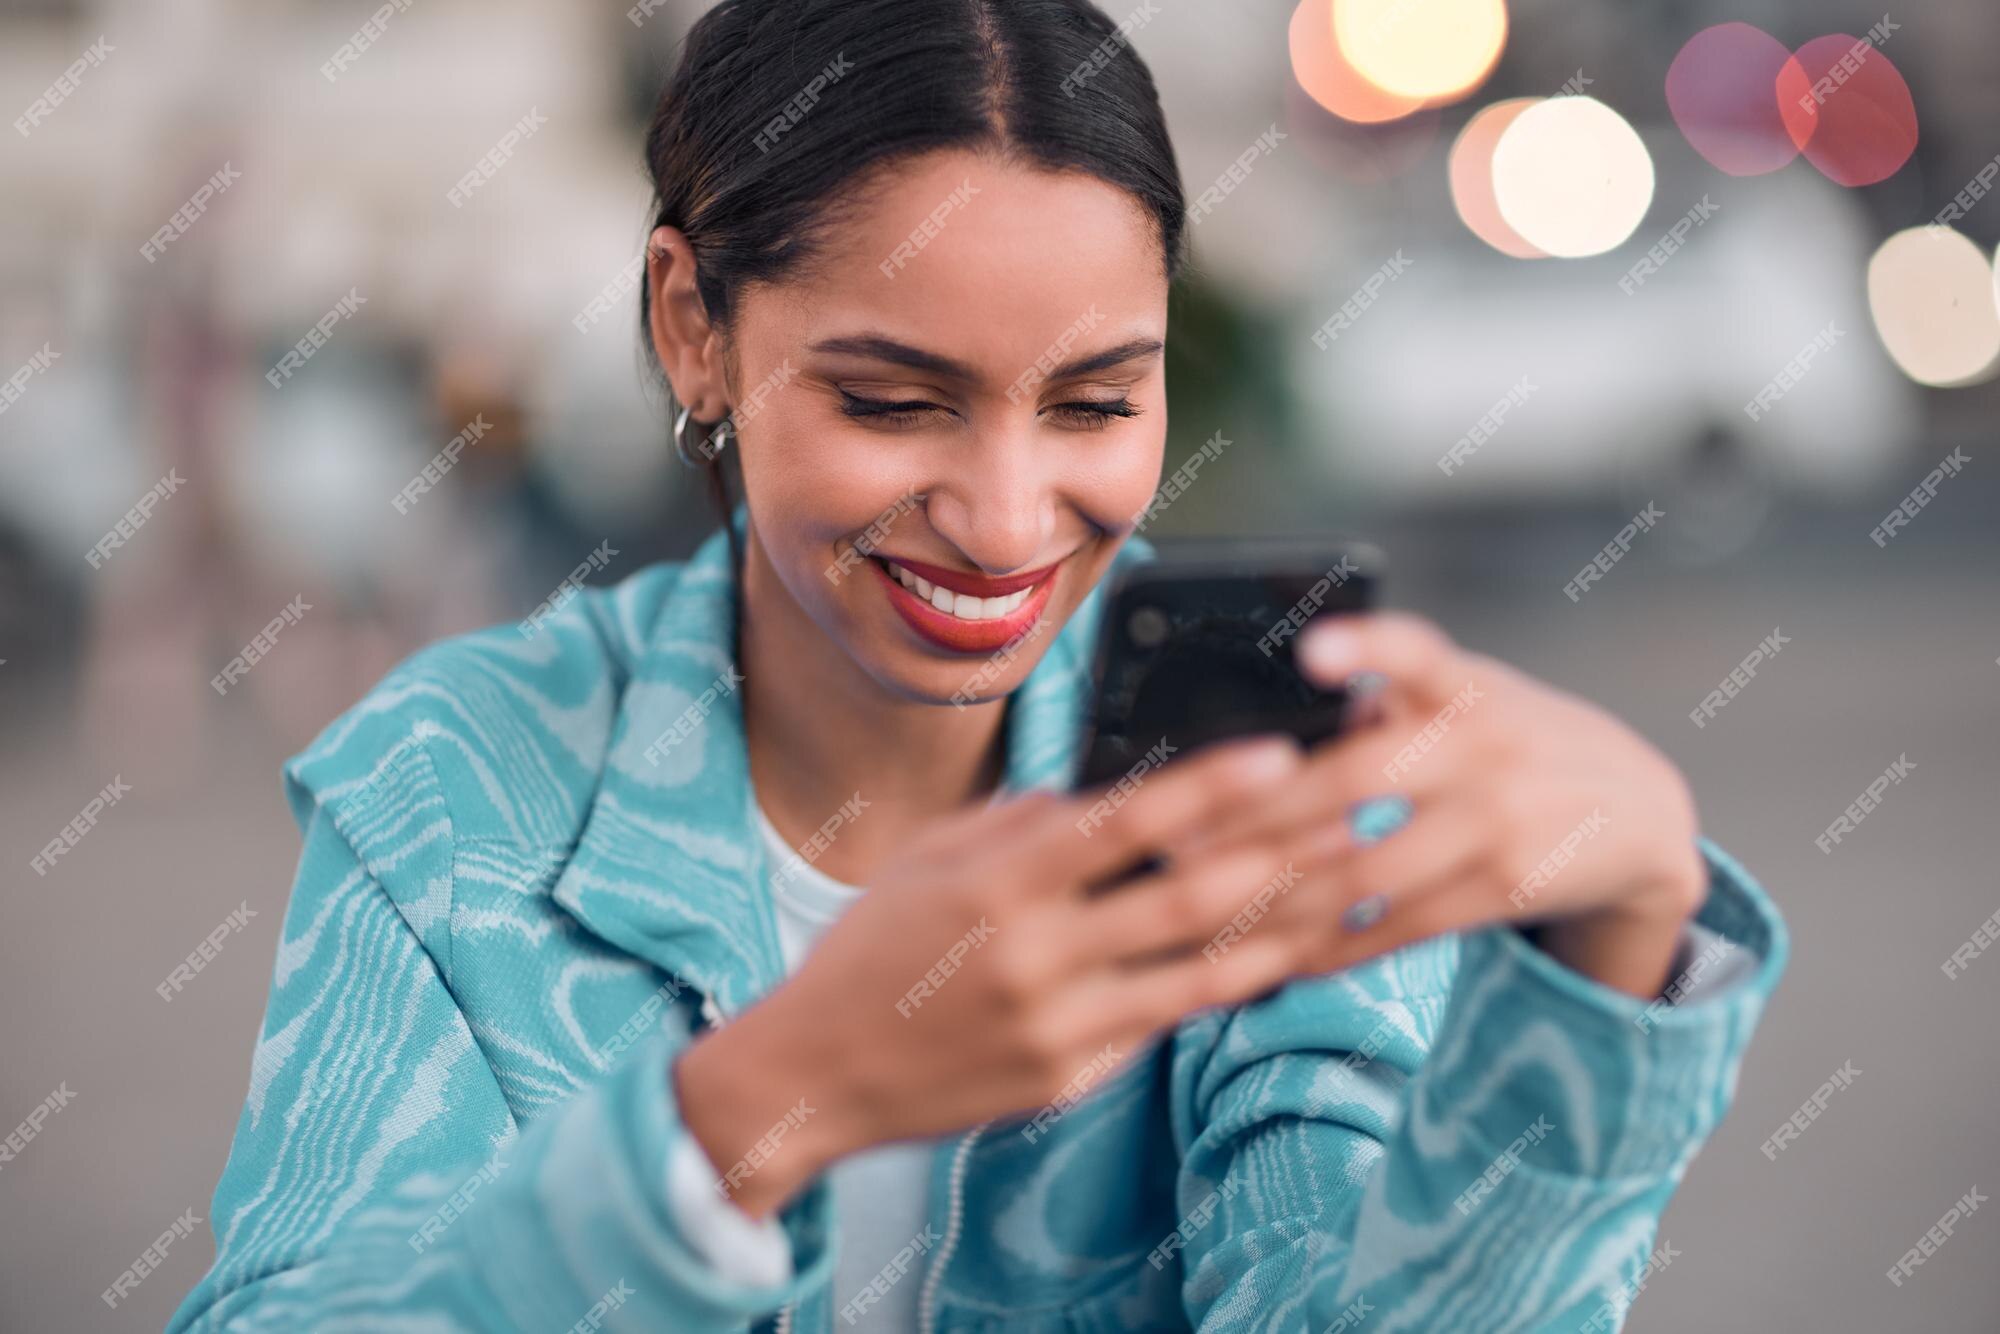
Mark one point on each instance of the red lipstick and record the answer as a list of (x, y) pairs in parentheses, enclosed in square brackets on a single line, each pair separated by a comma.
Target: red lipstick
[(950, 632), (976, 585)]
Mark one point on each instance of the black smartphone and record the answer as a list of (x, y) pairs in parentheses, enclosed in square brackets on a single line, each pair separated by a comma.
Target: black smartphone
[(1196, 646)]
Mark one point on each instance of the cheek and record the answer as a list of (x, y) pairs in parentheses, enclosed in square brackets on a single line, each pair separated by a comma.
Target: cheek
[(810, 483), (1113, 485)]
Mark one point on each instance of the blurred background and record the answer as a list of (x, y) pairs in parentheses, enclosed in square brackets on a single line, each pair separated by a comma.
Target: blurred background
[(1479, 281)]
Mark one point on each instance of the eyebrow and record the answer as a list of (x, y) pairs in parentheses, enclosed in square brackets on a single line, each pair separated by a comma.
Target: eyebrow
[(883, 348)]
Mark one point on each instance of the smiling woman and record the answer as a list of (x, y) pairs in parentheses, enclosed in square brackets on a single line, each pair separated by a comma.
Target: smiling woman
[(690, 965)]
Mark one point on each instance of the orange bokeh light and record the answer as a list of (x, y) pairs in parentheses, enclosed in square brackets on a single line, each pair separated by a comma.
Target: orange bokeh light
[(1325, 74), (1439, 50), (1471, 171)]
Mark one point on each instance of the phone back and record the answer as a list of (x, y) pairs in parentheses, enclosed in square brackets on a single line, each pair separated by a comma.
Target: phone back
[(1197, 646)]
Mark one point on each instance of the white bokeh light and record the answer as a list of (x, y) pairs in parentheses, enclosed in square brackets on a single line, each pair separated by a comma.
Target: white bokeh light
[(1571, 177), (1931, 294)]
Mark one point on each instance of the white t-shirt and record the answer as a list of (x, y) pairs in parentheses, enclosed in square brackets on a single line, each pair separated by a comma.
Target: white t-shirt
[(881, 1195)]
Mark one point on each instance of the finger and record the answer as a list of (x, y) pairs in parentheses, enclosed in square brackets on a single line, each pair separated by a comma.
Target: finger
[(1339, 795), (1255, 961), (1449, 903), (1091, 837), (1448, 844), (1163, 993), (988, 824), (1416, 660), (1214, 899), (1014, 811), (1180, 909)]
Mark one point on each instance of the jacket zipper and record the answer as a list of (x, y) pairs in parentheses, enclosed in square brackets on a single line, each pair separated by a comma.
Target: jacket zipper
[(785, 1320), (954, 1220)]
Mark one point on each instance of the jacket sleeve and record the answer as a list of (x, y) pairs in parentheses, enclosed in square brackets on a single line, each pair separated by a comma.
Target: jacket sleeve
[(1396, 1147), (378, 1180)]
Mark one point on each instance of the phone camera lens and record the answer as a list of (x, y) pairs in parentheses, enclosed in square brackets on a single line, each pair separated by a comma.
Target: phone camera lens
[(1147, 626)]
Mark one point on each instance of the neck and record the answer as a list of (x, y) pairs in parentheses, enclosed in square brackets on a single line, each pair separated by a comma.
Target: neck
[(819, 730)]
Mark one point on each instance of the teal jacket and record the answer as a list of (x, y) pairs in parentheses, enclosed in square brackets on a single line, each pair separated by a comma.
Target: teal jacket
[(507, 918)]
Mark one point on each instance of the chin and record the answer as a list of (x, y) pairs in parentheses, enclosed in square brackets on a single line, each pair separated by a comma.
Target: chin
[(960, 681)]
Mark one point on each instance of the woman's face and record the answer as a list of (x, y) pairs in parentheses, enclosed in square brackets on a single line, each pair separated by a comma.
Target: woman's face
[(970, 386)]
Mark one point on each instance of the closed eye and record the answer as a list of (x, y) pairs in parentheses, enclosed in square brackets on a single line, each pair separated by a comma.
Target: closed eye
[(1085, 414), (1093, 414), (894, 412)]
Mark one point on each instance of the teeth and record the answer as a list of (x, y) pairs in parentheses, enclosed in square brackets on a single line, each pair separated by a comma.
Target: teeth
[(962, 605)]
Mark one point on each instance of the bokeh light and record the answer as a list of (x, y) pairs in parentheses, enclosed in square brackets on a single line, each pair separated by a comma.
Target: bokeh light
[(1848, 107), (1572, 177), (1931, 294), (1426, 49), (1324, 72), (1471, 172), (1722, 90)]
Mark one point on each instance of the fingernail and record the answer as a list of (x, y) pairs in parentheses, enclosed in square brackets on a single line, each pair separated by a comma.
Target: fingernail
[(1378, 817), (1269, 759), (1364, 684), (1329, 650), (1365, 913)]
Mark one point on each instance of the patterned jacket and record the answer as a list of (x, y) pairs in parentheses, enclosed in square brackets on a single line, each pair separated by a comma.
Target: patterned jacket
[(531, 871)]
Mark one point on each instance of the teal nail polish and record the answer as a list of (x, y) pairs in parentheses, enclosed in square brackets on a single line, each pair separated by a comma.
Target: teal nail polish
[(1365, 913), (1378, 817)]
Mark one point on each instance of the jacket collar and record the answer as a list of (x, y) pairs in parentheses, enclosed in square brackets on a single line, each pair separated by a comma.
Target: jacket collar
[(670, 865)]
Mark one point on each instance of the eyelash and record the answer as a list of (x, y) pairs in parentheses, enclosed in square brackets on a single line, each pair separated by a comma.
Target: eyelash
[(1084, 414)]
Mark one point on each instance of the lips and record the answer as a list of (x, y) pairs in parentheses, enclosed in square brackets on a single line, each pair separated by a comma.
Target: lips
[(975, 585), (984, 627)]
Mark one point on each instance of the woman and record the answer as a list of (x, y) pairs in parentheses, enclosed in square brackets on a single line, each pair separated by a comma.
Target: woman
[(582, 1019)]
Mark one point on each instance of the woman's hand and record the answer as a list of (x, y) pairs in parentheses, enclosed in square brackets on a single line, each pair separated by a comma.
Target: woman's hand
[(1524, 804), (980, 974)]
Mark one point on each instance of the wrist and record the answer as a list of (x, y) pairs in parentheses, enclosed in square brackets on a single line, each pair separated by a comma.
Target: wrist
[(1631, 955), (765, 1108), (1630, 946)]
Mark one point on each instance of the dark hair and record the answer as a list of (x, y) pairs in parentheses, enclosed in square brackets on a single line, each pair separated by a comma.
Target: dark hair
[(850, 86)]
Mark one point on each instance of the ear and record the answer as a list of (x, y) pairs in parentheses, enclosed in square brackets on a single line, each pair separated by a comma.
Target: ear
[(689, 349)]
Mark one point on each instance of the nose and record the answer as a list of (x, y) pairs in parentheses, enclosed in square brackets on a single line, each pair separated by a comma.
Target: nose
[(997, 504)]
